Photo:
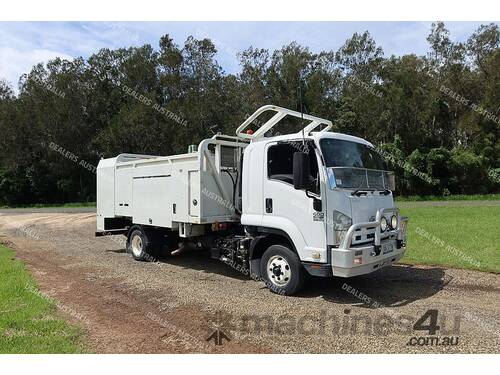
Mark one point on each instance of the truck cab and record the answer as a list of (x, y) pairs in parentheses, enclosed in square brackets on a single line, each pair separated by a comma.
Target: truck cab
[(277, 206), (330, 194)]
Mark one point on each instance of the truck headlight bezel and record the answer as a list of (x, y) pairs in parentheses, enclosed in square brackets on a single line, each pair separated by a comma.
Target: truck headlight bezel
[(341, 224), (394, 222), (383, 224)]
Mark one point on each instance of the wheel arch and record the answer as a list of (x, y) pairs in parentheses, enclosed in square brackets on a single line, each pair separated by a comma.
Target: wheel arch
[(132, 228), (155, 235), (267, 237)]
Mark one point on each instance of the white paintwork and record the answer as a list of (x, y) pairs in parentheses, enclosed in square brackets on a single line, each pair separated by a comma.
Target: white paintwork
[(280, 114), (145, 188), (292, 209), (105, 191), (293, 214)]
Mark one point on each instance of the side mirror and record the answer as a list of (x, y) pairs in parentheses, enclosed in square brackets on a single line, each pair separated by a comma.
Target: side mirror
[(300, 170)]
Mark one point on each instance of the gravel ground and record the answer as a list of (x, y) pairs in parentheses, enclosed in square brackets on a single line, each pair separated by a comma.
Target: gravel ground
[(175, 304)]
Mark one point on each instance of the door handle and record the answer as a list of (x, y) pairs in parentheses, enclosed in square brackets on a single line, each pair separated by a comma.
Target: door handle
[(269, 205)]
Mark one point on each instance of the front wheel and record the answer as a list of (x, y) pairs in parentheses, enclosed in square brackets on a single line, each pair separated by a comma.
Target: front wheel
[(282, 270)]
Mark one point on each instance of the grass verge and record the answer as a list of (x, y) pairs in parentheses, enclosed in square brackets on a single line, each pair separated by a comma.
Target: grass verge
[(454, 236), (458, 197), (28, 319)]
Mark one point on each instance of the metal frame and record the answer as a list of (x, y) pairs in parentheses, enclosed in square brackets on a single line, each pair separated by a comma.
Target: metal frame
[(281, 113), (347, 241), (213, 166)]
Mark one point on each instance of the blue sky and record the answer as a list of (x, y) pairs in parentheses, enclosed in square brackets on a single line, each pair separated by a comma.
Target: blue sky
[(23, 44)]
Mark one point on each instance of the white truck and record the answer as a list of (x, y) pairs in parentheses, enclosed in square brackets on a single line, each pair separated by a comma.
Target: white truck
[(277, 206)]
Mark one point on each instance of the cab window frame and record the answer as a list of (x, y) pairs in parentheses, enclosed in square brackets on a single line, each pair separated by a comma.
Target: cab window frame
[(313, 160)]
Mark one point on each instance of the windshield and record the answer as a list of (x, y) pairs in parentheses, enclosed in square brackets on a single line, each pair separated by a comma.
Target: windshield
[(340, 153), (353, 165)]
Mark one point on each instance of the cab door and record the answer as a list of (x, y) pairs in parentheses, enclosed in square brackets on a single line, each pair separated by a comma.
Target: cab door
[(290, 210)]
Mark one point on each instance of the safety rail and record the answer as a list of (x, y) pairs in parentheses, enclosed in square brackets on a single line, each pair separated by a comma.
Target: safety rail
[(399, 231), (281, 113)]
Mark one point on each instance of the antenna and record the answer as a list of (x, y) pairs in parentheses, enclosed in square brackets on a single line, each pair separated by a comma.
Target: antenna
[(301, 111)]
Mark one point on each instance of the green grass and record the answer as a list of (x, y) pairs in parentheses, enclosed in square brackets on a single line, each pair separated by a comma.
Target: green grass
[(44, 205), (29, 321), (477, 197), (471, 231)]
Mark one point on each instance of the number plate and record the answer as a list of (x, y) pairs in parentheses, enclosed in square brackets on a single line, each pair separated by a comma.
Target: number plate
[(387, 248)]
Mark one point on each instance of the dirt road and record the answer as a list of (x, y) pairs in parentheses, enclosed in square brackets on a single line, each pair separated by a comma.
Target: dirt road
[(176, 304)]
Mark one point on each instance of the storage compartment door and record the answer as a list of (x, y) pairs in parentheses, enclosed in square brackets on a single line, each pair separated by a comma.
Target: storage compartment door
[(194, 193), (152, 201)]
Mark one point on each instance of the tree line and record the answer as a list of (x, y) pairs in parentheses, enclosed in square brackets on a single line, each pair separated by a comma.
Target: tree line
[(436, 115)]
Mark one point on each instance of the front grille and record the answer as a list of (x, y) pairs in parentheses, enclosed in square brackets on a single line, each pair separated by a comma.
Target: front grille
[(363, 235), (367, 236)]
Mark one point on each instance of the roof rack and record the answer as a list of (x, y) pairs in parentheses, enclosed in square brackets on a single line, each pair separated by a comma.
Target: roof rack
[(281, 113)]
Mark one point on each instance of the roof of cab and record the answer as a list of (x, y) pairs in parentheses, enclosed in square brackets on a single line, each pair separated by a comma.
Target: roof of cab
[(316, 136), (344, 137)]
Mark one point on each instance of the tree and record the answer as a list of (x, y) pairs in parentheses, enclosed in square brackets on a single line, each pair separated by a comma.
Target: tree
[(437, 115)]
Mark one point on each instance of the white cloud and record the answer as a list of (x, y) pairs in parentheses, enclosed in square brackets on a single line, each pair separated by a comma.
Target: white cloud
[(24, 44), (14, 62)]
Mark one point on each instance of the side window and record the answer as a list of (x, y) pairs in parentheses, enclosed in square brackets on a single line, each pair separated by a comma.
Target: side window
[(280, 164)]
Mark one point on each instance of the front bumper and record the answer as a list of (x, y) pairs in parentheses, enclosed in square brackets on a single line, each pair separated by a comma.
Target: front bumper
[(352, 260), (343, 261)]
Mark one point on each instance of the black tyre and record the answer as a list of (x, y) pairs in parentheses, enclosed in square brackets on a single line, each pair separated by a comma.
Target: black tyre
[(282, 270), (140, 245)]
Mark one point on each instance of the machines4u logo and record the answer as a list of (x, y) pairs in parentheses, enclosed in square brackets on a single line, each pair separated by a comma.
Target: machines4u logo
[(219, 322), (428, 323)]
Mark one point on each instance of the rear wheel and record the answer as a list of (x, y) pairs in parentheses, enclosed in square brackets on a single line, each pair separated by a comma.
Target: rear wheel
[(282, 270), (139, 244)]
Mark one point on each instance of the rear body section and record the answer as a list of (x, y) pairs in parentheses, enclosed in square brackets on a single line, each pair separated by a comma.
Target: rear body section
[(190, 189)]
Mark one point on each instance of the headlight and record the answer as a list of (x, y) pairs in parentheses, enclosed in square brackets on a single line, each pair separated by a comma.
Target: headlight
[(394, 222), (383, 224), (341, 224)]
